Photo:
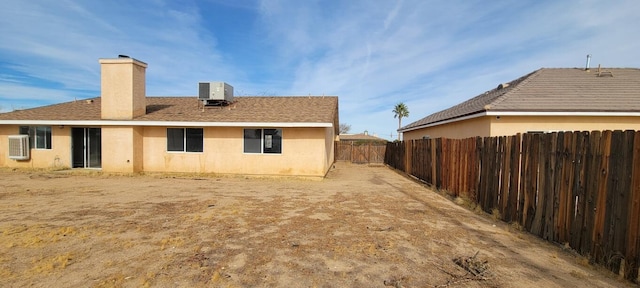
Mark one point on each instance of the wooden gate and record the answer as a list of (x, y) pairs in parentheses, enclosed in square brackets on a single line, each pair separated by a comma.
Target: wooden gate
[(360, 153)]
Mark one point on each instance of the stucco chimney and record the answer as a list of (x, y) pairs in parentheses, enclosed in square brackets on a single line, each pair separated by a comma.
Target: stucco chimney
[(122, 88)]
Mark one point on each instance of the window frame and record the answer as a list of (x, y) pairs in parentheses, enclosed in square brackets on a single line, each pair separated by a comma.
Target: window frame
[(186, 145), (40, 137), (271, 140)]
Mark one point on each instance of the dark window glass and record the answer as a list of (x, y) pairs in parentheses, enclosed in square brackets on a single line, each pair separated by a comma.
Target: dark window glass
[(185, 139), (39, 136), (263, 141), (273, 141), (43, 137), (48, 141), (175, 139), (24, 130), (252, 140), (194, 139)]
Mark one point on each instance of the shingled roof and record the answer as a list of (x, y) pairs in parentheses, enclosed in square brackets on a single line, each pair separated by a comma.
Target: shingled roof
[(560, 90), (301, 109)]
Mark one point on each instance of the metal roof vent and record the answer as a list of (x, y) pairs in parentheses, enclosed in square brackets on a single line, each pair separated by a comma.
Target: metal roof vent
[(503, 85)]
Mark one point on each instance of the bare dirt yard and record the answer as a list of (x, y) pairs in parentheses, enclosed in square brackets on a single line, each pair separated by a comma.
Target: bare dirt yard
[(362, 226)]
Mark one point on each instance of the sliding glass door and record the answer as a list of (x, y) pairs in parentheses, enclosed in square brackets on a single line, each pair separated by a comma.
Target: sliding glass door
[(86, 147)]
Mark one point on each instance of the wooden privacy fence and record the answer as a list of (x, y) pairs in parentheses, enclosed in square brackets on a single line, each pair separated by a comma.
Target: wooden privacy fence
[(361, 153), (575, 188)]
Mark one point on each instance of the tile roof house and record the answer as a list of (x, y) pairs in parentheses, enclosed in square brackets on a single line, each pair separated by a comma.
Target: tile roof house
[(548, 99), (123, 130)]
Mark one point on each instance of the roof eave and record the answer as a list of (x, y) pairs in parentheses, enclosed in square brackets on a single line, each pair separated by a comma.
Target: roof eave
[(526, 113), (564, 113), (167, 123)]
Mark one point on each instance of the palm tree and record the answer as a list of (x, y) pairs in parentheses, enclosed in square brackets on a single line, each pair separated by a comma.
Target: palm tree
[(400, 111)]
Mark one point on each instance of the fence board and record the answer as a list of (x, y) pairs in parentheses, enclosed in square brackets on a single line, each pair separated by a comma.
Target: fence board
[(445, 154), (530, 180), (457, 169), (572, 150), (524, 201), (487, 176), (434, 162), (598, 230), (438, 179), (548, 217), (621, 207), (514, 192), (542, 192), (475, 158), (593, 168), (611, 258), (472, 183), (578, 196), (564, 210), (505, 170), (563, 186), (495, 162), (463, 167)]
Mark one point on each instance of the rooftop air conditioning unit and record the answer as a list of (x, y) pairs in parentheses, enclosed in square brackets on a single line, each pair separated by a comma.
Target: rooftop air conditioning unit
[(215, 91), (19, 147)]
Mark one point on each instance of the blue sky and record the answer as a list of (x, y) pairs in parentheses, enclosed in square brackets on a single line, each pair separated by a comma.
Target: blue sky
[(373, 54)]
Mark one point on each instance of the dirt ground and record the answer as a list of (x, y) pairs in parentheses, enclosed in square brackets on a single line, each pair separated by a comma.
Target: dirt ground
[(362, 226)]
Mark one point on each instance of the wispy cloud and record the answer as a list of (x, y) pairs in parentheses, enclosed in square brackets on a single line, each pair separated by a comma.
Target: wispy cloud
[(428, 54), (434, 55)]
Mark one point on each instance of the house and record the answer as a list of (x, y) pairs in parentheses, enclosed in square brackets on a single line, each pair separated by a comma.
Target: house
[(125, 131), (546, 100), (361, 138)]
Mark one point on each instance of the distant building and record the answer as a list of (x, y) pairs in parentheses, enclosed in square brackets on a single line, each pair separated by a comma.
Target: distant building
[(546, 100), (361, 138)]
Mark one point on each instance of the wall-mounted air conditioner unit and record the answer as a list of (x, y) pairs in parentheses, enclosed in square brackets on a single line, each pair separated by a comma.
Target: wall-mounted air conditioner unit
[(216, 91), (19, 147)]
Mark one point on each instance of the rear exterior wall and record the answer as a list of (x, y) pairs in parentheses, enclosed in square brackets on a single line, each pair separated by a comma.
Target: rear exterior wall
[(304, 153)]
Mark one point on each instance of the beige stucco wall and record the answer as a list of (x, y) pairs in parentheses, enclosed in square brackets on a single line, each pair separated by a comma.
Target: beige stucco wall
[(57, 157), (511, 125), (304, 153), (122, 88), (330, 138), (455, 130), (122, 149)]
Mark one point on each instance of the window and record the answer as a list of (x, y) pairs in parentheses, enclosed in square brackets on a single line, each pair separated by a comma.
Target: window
[(39, 136), (185, 139), (267, 141)]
